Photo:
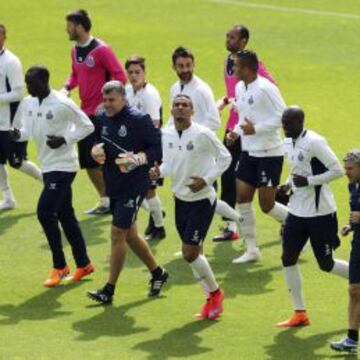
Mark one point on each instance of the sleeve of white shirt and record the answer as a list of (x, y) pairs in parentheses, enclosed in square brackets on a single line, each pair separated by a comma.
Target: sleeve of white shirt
[(322, 151), (172, 95), (15, 77), (237, 129), (275, 104), (207, 106), (223, 158), (24, 123), (82, 124), (165, 167), (152, 104)]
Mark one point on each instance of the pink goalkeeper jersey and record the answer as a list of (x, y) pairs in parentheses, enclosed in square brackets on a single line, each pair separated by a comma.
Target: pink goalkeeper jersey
[(92, 66), (231, 81)]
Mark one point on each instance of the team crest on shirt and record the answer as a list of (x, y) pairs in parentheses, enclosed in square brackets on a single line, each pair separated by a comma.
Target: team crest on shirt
[(190, 146), (122, 131), (251, 100), (49, 115), (171, 145), (104, 131), (301, 156), (90, 62), (30, 113)]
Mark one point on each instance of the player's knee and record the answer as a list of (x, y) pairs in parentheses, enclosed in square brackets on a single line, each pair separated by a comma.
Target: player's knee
[(326, 264), (288, 260), (190, 255), (266, 206), (354, 292)]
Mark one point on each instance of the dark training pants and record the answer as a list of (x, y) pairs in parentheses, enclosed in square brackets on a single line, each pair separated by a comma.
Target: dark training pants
[(54, 207)]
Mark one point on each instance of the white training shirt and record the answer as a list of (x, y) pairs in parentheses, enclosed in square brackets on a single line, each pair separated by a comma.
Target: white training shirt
[(206, 112), (196, 152), (11, 87), (262, 104), (147, 100), (59, 116), (310, 156)]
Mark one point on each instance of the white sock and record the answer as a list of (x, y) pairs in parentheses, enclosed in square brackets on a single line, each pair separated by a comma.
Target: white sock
[(155, 211), (279, 212), (203, 269), (341, 268), (201, 282), (248, 225), (225, 210), (29, 168), (293, 280), (145, 205), (231, 225), (105, 201), (5, 185)]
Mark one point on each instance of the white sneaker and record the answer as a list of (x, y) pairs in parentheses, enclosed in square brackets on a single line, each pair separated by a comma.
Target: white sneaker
[(248, 256), (7, 204)]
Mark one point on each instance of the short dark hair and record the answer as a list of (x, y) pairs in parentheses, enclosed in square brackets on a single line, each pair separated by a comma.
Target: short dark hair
[(249, 59), (181, 52), (243, 31), (135, 60), (184, 96), (80, 17), (41, 71), (3, 28)]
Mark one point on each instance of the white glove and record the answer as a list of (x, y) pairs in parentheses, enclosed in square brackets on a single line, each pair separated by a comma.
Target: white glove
[(98, 153), (129, 161)]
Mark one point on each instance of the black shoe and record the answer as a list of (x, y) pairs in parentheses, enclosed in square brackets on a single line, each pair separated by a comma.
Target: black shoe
[(156, 283), (150, 227), (100, 296), (158, 233)]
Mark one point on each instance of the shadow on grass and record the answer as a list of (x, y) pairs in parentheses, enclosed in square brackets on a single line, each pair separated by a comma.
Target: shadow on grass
[(10, 218), (40, 307), (288, 346), (112, 321), (178, 343)]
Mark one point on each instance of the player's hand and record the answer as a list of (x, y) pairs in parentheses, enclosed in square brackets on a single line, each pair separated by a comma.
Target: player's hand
[(300, 181), (65, 91), (355, 217), (154, 172), (248, 128), (231, 137), (129, 161), (346, 230), (55, 142), (14, 134), (222, 103), (98, 153), (197, 184), (283, 189)]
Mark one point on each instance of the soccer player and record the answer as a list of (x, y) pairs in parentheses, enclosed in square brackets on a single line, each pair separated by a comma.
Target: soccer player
[(127, 143), (56, 124), (93, 64), (260, 106), (312, 208), (236, 40), (205, 112), (146, 98), (352, 170), (11, 93), (194, 158)]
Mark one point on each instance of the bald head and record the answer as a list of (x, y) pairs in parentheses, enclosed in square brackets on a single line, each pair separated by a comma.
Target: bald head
[(293, 121)]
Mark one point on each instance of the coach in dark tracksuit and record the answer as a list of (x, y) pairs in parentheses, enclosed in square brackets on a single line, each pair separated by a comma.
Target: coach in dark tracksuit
[(126, 142)]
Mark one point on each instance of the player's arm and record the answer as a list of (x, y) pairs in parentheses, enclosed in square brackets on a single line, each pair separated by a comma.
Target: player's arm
[(22, 124), (223, 158), (112, 65), (275, 105), (152, 107), (208, 107), (15, 78), (72, 81), (322, 151)]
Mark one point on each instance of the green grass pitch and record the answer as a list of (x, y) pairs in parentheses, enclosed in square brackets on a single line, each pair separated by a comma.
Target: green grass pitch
[(312, 48)]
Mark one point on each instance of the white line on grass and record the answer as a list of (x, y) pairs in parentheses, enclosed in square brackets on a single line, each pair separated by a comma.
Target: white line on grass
[(288, 9)]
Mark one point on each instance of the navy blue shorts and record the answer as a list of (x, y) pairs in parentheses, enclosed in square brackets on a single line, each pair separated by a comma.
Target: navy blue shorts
[(84, 148), (259, 171), (354, 264), (12, 152), (193, 220), (322, 231), (124, 210)]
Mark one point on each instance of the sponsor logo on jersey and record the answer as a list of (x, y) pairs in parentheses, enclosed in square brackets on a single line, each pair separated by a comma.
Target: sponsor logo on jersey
[(171, 145), (49, 115), (251, 100), (90, 62), (122, 131), (301, 156), (190, 146)]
